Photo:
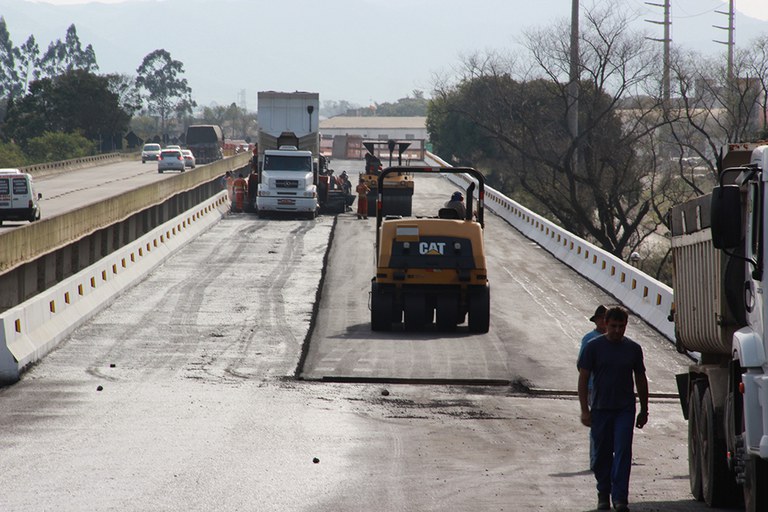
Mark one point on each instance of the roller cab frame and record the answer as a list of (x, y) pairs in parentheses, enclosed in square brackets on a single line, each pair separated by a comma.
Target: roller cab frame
[(431, 269), (399, 185)]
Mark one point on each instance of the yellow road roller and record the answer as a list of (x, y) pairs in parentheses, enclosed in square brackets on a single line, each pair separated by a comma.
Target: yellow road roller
[(431, 269)]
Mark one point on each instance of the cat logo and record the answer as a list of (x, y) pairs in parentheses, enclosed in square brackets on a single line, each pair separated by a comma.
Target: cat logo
[(432, 248)]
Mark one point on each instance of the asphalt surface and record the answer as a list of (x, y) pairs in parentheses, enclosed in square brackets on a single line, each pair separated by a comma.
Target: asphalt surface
[(67, 191), (187, 394)]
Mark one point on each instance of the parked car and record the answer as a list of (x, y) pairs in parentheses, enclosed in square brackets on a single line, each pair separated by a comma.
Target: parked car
[(170, 160), (189, 158), (150, 152)]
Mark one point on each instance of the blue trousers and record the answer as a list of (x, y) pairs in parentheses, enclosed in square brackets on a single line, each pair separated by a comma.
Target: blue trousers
[(611, 435)]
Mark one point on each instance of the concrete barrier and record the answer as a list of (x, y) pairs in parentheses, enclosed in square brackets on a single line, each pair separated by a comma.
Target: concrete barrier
[(33, 328), (50, 168), (645, 296), (26, 243)]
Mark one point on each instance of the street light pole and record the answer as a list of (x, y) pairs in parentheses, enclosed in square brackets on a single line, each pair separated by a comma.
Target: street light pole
[(573, 85)]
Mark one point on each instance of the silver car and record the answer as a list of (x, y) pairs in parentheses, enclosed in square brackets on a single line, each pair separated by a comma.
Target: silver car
[(189, 158), (150, 152), (170, 160)]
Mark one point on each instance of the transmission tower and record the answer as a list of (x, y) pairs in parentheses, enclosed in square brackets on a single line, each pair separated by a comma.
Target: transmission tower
[(667, 40), (730, 29), (241, 99)]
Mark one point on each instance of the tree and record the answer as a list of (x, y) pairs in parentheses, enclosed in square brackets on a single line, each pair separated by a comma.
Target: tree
[(9, 79), (74, 102), (128, 95), (69, 55), (167, 92), (51, 147), (595, 185), (26, 61), (11, 156)]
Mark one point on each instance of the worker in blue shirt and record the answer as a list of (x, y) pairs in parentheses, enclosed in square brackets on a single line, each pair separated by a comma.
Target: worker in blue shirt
[(618, 368), (599, 320)]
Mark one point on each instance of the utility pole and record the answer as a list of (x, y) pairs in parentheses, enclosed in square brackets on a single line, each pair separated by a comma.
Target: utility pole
[(573, 85), (730, 29), (667, 23)]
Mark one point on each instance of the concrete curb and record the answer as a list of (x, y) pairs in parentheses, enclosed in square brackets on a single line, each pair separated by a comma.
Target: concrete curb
[(32, 329)]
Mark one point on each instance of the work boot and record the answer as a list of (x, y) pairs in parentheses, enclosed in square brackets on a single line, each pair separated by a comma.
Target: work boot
[(620, 507), (603, 501), (359, 217)]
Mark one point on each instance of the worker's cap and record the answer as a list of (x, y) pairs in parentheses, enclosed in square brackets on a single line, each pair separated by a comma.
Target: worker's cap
[(599, 313), (457, 196)]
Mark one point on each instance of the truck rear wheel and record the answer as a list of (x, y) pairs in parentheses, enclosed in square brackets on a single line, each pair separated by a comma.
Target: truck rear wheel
[(447, 312), (716, 481), (480, 310), (694, 458), (381, 309), (755, 489), (415, 311)]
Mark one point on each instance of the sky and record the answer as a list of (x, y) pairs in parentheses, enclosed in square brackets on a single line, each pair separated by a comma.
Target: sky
[(361, 51)]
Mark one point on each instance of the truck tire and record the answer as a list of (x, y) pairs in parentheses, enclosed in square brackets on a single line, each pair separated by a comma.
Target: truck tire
[(715, 477), (480, 310), (381, 309), (755, 489), (447, 312), (694, 457)]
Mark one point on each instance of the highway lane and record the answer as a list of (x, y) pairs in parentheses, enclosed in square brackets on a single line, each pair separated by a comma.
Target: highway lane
[(67, 191), (199, 407)]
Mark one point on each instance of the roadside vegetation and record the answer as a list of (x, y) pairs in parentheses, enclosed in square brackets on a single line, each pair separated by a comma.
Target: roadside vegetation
[(636, 151)]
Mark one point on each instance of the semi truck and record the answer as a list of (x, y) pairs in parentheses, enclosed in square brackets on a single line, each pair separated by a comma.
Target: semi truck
[(288, 150), (719, 253), (206, 141)]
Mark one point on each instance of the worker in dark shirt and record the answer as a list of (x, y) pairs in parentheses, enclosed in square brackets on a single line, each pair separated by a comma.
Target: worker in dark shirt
[(614, 360)]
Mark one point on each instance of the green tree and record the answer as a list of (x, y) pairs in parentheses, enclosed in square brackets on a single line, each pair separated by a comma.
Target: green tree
[(11, 155), (416, 106), (76, 101), (128, 94), (69, 55), (10, 85), (26, 61), (167, 92), (52, 147)]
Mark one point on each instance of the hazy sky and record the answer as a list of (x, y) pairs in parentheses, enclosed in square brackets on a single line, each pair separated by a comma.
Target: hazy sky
[(361, 51), (754, 8)]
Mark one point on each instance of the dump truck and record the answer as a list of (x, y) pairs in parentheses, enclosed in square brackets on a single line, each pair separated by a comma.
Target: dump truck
[(430, 268), (206, 141), (399, 185), (719, 244)]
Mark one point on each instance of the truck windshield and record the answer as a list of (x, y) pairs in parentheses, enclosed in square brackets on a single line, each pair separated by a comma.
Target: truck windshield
[(287, 163)]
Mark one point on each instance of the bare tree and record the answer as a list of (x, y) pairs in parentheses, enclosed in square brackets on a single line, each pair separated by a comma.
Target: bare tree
[(604, 194)]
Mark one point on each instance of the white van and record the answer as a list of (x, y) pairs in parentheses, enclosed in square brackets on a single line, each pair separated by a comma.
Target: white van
[(18, 200)]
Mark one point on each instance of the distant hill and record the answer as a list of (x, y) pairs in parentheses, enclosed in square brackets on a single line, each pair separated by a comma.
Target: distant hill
[(355, 50)]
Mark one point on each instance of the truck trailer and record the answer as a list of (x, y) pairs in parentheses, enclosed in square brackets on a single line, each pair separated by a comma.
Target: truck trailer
[(288, 150), (719, 244), (206, 141)]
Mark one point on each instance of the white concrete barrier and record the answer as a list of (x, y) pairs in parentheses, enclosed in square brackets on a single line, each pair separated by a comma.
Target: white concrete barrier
[(33, 328), (645, 296)]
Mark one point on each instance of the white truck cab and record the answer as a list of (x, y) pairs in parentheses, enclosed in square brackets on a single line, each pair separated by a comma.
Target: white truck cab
[(18, 200), (287, 182)]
